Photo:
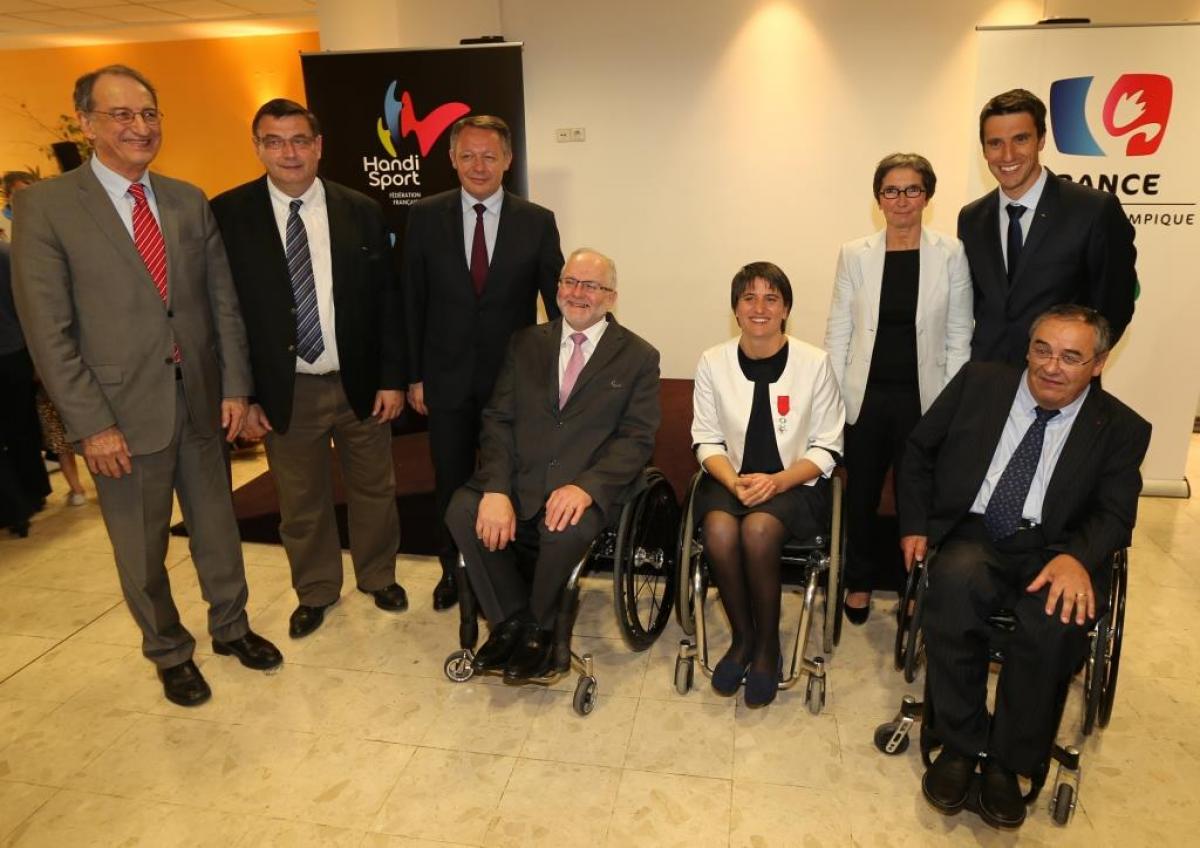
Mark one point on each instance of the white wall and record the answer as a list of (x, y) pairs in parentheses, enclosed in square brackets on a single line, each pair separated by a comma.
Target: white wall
[(724, 131)]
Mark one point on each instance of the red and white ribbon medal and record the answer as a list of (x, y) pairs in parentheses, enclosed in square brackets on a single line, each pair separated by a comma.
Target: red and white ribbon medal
[(783, 405)]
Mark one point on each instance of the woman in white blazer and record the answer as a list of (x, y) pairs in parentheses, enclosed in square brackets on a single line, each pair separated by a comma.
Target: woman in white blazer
[(767, 428), (899, 328)]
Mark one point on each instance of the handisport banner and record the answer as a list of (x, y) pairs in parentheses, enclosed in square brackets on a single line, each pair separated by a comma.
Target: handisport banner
[(1123, 117), (386, 117)]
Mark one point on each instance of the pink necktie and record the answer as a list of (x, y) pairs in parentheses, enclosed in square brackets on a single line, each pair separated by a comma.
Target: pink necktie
[(574, 366)]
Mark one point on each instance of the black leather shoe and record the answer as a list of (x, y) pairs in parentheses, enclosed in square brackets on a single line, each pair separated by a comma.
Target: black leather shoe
[(391, 598), (305, 620), (501, 642), (533, 655), (1000, 801), (183, 684), (252, 651), (857, 615), (947, 782), (445, 593)]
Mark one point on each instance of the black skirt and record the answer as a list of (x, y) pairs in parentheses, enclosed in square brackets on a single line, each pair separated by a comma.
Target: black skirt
[(803, 510)]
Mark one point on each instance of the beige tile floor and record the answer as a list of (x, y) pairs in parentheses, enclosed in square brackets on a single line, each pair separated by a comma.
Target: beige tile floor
[(359, 740)]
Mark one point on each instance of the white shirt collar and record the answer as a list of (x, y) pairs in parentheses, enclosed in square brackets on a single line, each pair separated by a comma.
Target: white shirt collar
[(1031, 197), (314, 194), (114, 183), (1026, 402), (492, 203), (593, 332)]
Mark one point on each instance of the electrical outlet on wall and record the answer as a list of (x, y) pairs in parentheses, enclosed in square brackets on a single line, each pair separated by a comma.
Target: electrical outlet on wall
[(565, 134)]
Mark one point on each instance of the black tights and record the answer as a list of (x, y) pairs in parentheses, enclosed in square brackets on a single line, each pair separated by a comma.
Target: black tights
[(743, 556)]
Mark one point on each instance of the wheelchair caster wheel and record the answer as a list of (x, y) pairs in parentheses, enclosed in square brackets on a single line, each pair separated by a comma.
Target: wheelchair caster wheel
[(685, 674), (1062, 805), (458, 666), (585, 695), (884, 739), (814, 695)]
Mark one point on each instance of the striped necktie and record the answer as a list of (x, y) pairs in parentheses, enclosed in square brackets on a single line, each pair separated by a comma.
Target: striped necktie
[(309, 344), (148, 239)]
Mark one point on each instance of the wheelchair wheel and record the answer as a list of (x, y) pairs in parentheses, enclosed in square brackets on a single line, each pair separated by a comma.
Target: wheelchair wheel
[(1116, 608), (1062, 805), (1095, 674), (643, 563), (904, 613), (914, 638), (814, 695), (585, 696), (458, 666), (834, 596), (687, 554), (685, 674), (883, 738)]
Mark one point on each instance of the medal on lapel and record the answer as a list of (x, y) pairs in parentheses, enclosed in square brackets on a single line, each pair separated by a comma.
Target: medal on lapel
[(783, 406)]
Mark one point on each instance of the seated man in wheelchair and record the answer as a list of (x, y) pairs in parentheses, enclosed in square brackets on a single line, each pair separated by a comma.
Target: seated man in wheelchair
[(564, 439), (1026, 482)]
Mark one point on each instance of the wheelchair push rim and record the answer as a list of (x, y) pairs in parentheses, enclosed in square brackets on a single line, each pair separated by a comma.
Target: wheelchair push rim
[(644, 568)]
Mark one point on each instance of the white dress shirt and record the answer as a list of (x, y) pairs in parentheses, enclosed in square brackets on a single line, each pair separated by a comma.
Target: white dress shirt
[(316, 226), (566, 346), (117, 188), (1020, 416), (1030, 201), (491, 221)]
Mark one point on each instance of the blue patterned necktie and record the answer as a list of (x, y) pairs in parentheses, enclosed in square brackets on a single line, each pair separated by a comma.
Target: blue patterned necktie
[(309, 344), (1003, 514), (1016, 238)]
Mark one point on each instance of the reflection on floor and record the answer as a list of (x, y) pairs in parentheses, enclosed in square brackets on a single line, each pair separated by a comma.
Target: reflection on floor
[(360, 741)]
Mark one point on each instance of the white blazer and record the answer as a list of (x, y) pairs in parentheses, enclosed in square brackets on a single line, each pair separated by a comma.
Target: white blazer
[(944, 320), (812, 423)]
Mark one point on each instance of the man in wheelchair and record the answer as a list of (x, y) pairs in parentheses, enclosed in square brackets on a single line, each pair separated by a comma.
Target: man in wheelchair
[(564, 439), (1026, 482)]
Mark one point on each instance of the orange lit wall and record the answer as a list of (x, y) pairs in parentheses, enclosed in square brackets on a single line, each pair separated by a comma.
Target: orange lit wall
[(208, 91)]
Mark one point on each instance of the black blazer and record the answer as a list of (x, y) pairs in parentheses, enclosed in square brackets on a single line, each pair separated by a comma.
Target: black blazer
[(600, 441), (456, 340), (1079, 250), (1091, 499), (366, 297)]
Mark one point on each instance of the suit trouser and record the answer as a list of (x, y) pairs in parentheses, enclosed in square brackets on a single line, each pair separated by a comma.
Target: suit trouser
[(874, 443), (137, 513), (301, 463), (23, 481), (496, 576), (453, 443), (969, 579)]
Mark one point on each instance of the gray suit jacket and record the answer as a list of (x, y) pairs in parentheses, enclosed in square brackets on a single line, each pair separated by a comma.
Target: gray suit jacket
[(95, 325), (600, 441)]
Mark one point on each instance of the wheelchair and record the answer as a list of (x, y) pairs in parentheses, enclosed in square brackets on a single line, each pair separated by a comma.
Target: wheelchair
[(1100, 666), (640, 547), (821, 560)]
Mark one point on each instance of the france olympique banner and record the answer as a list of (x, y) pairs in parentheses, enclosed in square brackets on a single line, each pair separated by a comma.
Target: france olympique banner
[(386, 116), (1124, 117)]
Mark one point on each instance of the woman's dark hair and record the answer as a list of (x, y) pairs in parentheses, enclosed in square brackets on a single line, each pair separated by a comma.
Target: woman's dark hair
[(905, 160), (769, 273)]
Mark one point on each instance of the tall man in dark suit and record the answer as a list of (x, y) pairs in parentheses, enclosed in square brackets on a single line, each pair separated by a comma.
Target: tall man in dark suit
[(312, 263), (475, 259), (1037, 240), (1028, 481), (124, 293), (565, 438)]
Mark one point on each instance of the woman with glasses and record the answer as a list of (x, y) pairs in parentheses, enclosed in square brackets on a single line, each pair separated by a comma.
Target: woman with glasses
[(899, 328), (767, 429)]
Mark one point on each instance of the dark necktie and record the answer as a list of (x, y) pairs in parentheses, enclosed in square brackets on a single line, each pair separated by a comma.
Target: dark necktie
[(309, 344), (479, 257), (148, 239), (1015, 238), (1003, 514)]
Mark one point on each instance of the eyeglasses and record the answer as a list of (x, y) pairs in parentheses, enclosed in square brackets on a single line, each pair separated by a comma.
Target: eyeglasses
[(892, 192), (125, 117), (275, 142), (589, 286), (1042, 353)]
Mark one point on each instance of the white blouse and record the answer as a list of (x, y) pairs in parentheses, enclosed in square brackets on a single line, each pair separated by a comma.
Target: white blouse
[(808, 421)]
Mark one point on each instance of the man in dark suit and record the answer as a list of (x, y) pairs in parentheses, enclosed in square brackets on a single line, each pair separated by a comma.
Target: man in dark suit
[(124, 294), (1028, 482), (564, 440), (1037, 240), (475, 259), (312, 263)]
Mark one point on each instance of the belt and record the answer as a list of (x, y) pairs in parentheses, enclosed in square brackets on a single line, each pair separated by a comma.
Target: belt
[(178, 373)]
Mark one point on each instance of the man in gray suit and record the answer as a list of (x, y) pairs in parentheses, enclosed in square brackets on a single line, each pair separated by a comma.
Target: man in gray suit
[(565, 437), (131, 317)]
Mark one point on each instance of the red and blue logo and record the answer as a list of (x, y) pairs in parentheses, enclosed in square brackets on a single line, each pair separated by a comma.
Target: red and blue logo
[(1136, 110), (401, 120)]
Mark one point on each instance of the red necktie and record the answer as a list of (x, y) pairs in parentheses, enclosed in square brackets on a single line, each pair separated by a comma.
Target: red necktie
[(479, 256), (148, 239)]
